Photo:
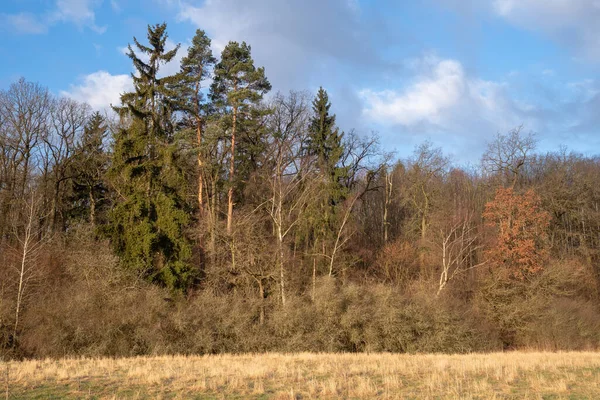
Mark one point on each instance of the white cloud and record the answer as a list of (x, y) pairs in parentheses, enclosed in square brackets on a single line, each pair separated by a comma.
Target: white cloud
[(443, 102), (442, 96), (100, 89), (426, 100), (79, 12)]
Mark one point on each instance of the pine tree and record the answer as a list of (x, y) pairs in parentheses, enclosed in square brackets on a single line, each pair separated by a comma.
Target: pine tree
[(89, 168), (148, 219), (196, 67), (237, 90)]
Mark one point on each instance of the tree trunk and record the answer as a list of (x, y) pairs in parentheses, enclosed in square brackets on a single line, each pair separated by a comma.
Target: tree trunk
[(27, 237), (200, 164), (314, 279), (92, 207), (199, 141), (388, 197), (261, 292), (423, 237), (231, 175), (281, 259)]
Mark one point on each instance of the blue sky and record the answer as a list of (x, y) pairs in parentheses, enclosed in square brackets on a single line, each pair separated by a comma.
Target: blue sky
[(454, 72)]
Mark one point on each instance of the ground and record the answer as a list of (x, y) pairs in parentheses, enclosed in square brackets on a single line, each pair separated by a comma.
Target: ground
[(515, 375)]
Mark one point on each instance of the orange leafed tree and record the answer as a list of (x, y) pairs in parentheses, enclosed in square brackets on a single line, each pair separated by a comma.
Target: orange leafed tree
[(520, 232)]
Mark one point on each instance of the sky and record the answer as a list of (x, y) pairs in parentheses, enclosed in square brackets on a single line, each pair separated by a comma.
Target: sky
[(453, 72)]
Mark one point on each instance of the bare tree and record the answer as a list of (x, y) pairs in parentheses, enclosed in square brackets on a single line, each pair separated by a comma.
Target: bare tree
[(24, 110), (427, 166), (458, 244), (507, 154), (292, 182), (30, 239), (68, 119)]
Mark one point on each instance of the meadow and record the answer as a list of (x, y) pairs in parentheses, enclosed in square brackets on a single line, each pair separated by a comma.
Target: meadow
[(521, 375)]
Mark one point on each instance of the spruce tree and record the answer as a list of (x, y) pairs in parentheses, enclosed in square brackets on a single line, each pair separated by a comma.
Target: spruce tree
[(237, 90), (325, 143), (148, 220), (89, 168)]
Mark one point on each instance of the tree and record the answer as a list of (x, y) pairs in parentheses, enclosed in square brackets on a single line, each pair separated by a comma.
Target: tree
[(196, 67), (458, 242), (24, 112), (290, 180), (427, 169), (325, 143), (520, 237), (506, 156), (150, 214), (30, 238), (68, 119), (89, 168), (237, 90)]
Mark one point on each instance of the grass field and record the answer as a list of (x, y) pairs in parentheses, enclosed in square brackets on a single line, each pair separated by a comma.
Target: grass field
[(309, 376)]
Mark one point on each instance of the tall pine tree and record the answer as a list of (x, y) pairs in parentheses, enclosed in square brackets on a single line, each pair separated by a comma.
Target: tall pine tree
[(237, 90), (196, 67), (148, 219)]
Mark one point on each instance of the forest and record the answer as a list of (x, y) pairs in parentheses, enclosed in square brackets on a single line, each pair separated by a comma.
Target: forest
[(207, 213)]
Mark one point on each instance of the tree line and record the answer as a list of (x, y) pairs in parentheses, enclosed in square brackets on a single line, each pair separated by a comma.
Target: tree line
[(202, 215)]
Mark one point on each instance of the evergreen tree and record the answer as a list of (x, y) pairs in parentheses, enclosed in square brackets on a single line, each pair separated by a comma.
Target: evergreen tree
[(325, 143), (89, 168), (148, 219), (195, 68), (237, 90)]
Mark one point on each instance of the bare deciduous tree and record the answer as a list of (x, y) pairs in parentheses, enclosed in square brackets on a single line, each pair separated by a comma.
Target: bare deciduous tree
[(507, 155), (30, 239), (458, 244), (292, 180)]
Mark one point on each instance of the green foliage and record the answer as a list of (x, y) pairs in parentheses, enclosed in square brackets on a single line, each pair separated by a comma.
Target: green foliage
[(89, 167), (148, 220), (325, 139), (195, 68), (325, 143), (236, 93)]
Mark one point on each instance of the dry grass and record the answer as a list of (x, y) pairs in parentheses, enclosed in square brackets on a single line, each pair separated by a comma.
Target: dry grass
[(307, 376)]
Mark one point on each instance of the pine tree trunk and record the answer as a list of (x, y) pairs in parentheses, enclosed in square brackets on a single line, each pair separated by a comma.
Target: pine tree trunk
[(231, 175), (199, 140), (200, 165), (213, 219)]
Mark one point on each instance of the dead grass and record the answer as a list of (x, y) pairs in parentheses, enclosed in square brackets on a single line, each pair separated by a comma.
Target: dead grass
[(308, 376)]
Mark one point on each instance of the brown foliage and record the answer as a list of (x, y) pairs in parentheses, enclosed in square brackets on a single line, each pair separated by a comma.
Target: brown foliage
[(397, 262), (520, 237)]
